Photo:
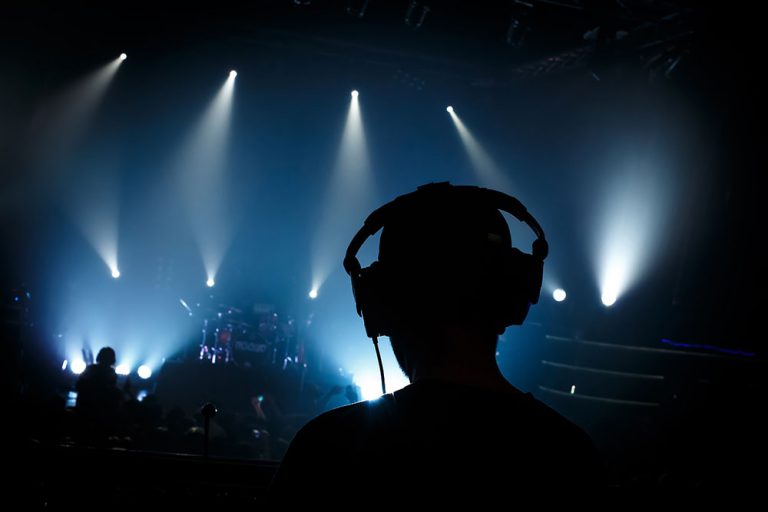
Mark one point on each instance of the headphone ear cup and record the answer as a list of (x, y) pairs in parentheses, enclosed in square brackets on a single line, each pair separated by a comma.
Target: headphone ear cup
[(519, 287), (372, 298)]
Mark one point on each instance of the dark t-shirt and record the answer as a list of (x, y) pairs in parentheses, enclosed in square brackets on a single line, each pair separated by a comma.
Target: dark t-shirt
[(438, 440), (97, 392)]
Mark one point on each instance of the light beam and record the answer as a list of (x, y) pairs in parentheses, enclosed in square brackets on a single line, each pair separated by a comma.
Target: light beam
[(629, 224), (201, 168), (348, 197), (488, 172)]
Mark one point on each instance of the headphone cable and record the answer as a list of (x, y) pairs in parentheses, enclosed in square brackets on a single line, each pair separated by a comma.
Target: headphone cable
[(381, 366)]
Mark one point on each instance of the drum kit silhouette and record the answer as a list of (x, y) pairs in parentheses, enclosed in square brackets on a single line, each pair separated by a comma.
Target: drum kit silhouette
[(256, 338)]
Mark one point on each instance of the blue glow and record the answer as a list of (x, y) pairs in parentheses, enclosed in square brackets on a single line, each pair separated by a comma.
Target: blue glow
[(714, 348)]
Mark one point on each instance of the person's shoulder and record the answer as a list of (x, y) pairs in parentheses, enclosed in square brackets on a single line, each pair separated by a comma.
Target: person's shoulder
[(546, 415), (340, 420), (563, 433)]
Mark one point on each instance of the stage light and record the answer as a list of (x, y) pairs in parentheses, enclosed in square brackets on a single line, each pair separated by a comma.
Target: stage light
[(78, 366), (313, 293), (355, 93), (122, 369), (210, 282), (608, 298), (232, 74), (144, 372), (64, 365), (123, 56), (115, 273), (559, 295), (449, 109)]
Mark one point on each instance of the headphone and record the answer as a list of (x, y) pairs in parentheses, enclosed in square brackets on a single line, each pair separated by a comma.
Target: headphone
[(514, 289)]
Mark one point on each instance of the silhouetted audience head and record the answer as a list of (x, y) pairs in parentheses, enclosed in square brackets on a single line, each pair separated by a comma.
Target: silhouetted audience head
[(441, 258), (106, 356)]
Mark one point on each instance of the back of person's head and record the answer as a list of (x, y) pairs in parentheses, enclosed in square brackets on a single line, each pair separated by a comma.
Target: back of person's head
[(106, 356), (442, 257), (446, 263)]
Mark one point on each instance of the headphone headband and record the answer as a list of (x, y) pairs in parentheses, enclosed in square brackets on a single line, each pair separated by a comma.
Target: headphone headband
[(499, 200)]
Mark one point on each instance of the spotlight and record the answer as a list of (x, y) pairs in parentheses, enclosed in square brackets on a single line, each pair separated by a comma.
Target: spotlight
[(77, 366), (608, 298), (64, 365), (144, 372), (123, 56), (210, 282), (122, 369), (232, 74), (355, 93), (449, 109), (115, 273), (313, 293), (559, 295)]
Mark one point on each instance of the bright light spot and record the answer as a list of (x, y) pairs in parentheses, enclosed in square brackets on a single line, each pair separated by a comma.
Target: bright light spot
[(355, 93), (609, 297), (78, 366), (558, 295), (142, 395), (210, 282), (573, 389), (64, 365), (232, 74), (123, 56), (144, 371), (313, 293), (370, 383), (370, 386), (122, 369), (115, 273), (449, 109)]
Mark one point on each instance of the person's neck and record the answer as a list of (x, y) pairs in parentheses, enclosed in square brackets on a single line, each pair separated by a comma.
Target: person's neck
[(464, 369)]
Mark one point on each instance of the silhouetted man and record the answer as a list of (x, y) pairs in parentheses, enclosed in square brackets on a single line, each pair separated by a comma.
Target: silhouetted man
[(98, 397), (446, 284)]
